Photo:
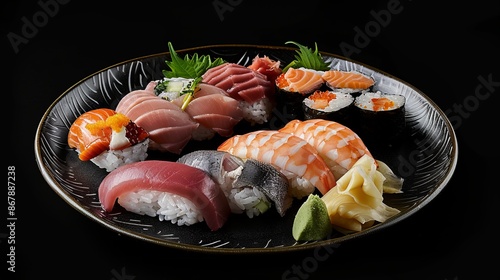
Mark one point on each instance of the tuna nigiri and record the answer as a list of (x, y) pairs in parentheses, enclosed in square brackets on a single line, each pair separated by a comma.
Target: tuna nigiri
[(173, 191), (213, 110), (251, 88), (107, 138), (169, 127), (291, 155)]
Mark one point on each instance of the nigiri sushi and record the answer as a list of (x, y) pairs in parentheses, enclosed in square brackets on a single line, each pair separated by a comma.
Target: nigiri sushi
[(265, 178), (251, 187), (341, 148), (291, 155), (214, 110), (108, 139), (171, 191), (251, 88), (169, 127), (337, 144)]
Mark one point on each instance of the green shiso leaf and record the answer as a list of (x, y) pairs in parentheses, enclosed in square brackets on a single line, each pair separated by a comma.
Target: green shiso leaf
[(190, 68), (307, 58)]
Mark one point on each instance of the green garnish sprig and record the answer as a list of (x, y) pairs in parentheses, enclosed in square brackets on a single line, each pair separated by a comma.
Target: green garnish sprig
[(307, 58), (189, 67)]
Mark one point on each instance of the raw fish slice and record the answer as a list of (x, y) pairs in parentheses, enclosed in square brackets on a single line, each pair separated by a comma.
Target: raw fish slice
[(267, 66), (139, 96), (100, 130), (300, 80), (216, 163), (347, 79), (169, 127), (170, 177), (240, 82), (212, 108), (225, 169), (267, 179), (288, 153)]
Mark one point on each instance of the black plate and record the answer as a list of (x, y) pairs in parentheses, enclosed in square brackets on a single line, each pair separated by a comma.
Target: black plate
[(426, 157)]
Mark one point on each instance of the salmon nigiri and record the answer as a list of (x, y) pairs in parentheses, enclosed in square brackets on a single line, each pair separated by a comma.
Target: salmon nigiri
[(107, 138), (171, 191)]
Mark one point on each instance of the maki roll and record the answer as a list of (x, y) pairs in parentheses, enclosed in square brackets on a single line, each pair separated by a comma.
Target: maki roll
[(351, 82), (328, 105), (380, 116), (300, 78), (294, 85)]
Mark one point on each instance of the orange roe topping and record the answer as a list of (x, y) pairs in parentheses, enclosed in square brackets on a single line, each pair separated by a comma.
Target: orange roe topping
[(281, 82), (382, 104), (115, 122), (322, 99), (96, 128)]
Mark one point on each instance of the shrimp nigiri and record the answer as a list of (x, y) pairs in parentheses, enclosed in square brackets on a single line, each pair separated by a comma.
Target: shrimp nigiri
[(291, 155), (339, 146)]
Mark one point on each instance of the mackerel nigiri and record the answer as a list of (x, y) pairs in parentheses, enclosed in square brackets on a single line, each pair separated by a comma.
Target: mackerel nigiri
[(172, 191)]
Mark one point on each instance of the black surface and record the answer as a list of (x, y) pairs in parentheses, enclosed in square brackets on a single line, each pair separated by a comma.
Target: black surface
[(450, 53)]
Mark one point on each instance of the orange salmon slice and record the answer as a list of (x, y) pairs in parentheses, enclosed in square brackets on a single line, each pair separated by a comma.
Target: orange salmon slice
[(347, 79)]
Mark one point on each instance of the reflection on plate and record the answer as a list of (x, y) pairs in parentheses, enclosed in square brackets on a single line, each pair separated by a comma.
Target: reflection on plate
[(426, 158)]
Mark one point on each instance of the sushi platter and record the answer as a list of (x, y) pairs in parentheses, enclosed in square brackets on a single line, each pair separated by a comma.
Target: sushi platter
[(414, 141)]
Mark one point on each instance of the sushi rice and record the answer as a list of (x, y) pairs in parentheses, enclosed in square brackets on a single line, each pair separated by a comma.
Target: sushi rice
[(112, 159), (248, 200), (257, 112), (166, 206)]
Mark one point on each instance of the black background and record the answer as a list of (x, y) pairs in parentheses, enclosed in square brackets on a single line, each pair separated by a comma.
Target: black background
[(445, 51)]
